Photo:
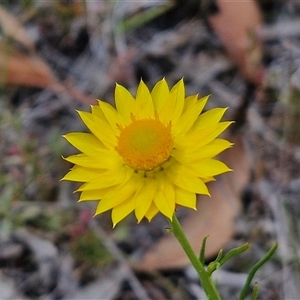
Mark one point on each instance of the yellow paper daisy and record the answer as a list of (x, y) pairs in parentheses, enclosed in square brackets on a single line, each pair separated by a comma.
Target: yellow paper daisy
[(149, 154)]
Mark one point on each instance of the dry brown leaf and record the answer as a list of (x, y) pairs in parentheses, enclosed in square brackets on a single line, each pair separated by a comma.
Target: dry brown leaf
[(215, 216), (17, 68), (237, 24), (14, 29)]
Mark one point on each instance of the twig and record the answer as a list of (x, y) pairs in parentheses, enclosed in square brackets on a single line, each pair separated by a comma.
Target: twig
[(285, 29), (136, 286), (267, 193), (260, 127)]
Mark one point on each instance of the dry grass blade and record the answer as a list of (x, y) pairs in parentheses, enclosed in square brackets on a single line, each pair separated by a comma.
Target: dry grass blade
[(13, 29), (104, 288), (136, 286)]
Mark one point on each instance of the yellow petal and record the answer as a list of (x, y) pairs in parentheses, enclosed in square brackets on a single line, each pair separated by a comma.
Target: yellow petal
[(163, 205), (188, 101), (185, 198), (122, 210), (210, 167), (101, 129), (112, 116), (208, 179), (194, 139), (144, 198), (160, 94), (81, 174), (107, 179), (125, 103), (83, 160), (210, 150), (206, 139), (164, 198), (144, 103), (96, 110), (185, 169), (209, 118), (93, 194), (201, 137), (191, 184), (101, 183), (152, 212), (173, 106), (188, 118), (169, 193), (115, 198), (102, 159), (84, 142)]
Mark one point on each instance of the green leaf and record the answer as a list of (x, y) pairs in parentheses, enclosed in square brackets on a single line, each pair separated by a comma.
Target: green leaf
[(255, 291), (234, 252), (254, 269), (202, 251)]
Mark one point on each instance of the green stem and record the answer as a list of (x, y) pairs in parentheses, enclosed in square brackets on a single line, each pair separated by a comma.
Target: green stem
[(204, 277), (254, 269)]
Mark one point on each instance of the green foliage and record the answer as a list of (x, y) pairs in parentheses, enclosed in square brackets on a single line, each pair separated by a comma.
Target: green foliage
[(253, 271), (141, 18), (205, 273)]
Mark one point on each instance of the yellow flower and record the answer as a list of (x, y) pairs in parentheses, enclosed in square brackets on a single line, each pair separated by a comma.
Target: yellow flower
[(149, 154)]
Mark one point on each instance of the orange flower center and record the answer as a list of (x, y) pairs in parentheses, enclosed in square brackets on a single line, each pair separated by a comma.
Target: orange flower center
[(145, 144)]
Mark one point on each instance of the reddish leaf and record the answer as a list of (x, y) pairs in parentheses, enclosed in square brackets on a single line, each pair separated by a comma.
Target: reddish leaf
[(237, 24), (17, 68)]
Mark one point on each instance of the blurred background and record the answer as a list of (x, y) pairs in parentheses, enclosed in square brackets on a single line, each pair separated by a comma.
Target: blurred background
[(59, 56)]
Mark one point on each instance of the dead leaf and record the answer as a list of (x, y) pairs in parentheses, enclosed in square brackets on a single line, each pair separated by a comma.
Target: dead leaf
[(237, 24), (23, 69), (215, 217), (14, 29), (17, 68)]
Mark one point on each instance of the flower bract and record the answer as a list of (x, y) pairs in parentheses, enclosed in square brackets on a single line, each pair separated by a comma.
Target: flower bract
[(148, 154)]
